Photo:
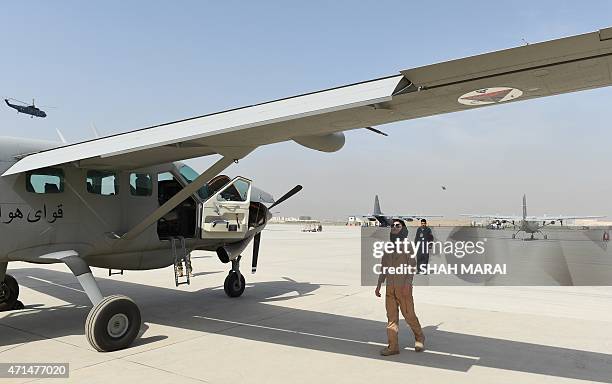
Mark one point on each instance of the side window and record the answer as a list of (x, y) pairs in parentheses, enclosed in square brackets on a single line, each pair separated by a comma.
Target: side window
[(167, 186), (238, 191), (141, 184), (50, 180), (166, 176), (103, 183)]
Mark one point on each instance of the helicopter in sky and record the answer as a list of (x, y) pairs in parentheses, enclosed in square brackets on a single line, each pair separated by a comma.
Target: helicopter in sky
[(31, 110)]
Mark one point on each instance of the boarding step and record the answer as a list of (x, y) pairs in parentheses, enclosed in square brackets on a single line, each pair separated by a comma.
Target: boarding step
[(112, 273), (182, 261)]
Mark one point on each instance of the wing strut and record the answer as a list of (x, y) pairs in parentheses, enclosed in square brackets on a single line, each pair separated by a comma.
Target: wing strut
[(189, 190)]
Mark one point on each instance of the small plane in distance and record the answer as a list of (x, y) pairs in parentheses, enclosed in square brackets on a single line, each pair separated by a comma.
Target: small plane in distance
[(528, 224), (31, 110), (387, 220)]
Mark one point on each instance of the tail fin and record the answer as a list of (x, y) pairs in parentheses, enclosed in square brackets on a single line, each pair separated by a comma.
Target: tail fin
[(377, 210), (524, 207)]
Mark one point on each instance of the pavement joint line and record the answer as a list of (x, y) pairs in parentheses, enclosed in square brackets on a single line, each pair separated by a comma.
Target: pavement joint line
[(241, 324), (206, 334), (57, 285), (13, 347), (39, 335), (165, 370), (237, 323)]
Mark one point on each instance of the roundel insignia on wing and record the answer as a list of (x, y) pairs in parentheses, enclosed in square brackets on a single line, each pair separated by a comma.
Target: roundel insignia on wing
[(490, 96)]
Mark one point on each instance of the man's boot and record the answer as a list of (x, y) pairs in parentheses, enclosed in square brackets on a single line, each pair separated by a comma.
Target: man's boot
[(419, 346), (388, 352)]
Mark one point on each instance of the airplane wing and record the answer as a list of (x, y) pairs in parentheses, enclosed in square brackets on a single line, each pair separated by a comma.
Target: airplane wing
[(494, 217), (416, 216), (317, 119), (561, 217)]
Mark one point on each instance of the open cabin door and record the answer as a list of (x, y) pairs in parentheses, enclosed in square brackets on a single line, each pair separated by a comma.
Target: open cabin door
[(226, 213)]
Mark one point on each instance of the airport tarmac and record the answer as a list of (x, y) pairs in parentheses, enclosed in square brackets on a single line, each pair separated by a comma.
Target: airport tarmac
[(304, 318)]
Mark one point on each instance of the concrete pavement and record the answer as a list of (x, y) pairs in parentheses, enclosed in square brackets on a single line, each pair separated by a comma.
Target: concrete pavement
[(304, 318)]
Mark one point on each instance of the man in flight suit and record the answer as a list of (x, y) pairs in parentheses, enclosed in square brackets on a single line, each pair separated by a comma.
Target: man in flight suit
[(425, 237), (398, 296)]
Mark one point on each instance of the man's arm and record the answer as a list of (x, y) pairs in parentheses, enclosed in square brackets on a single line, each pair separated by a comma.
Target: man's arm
[(430, 236), (381, 278)]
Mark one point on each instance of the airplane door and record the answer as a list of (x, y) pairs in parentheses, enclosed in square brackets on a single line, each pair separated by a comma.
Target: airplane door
[(226, 213)]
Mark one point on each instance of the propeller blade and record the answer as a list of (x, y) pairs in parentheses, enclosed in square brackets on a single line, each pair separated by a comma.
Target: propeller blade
[(286, 196), (256, 241), (376, 131)]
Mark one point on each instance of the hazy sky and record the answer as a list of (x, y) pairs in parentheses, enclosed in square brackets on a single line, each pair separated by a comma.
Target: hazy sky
[(127, 65)]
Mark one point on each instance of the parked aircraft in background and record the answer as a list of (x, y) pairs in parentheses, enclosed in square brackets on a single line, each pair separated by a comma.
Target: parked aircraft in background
[(529, 224), (385, 220)]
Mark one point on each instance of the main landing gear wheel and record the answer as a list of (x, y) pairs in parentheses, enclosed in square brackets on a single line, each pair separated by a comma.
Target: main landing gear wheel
[(113, 324), (545, 237), (233, 286), (9, 292)]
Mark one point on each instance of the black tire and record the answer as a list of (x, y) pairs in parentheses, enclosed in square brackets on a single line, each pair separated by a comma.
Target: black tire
[(113, 324), (231, 285), (10, 293)]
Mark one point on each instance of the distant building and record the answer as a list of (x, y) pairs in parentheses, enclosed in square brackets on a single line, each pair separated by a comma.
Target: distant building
[(357, 221)]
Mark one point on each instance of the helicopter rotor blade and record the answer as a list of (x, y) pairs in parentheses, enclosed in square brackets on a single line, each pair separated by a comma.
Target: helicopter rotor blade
[(19, 101)]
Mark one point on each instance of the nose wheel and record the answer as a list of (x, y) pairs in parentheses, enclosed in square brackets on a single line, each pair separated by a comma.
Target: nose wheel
[(9, 293), (234, 282)]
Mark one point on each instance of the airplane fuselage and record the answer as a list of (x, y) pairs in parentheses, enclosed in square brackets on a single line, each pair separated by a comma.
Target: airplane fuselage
[(35, 224), (530, 226)]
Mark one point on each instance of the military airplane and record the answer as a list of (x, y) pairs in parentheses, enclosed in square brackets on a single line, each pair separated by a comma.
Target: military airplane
[(126, 202), (385, 220), (31, 110), (529, 224)]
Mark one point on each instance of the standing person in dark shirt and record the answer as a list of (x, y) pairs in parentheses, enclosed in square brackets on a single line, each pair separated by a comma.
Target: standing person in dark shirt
[(425, 236)]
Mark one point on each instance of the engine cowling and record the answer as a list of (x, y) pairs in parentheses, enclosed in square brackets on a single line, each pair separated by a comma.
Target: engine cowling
[(232, 251)]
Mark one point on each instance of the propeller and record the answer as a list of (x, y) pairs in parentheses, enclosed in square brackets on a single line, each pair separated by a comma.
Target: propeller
[(257, 238), (256, 241), (286, 196)]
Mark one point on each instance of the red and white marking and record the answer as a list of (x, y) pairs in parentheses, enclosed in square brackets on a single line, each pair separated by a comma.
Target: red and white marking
[(490, 96)]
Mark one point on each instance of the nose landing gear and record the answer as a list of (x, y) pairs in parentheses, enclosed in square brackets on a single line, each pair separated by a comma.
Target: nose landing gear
[(234, 282)]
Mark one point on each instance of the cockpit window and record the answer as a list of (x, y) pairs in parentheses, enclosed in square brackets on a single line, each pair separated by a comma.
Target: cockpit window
[(210, 188), (188, 173), (238, 191)]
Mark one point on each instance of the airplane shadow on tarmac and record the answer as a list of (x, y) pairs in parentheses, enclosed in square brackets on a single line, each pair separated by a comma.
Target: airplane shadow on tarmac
[(254, 317)]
